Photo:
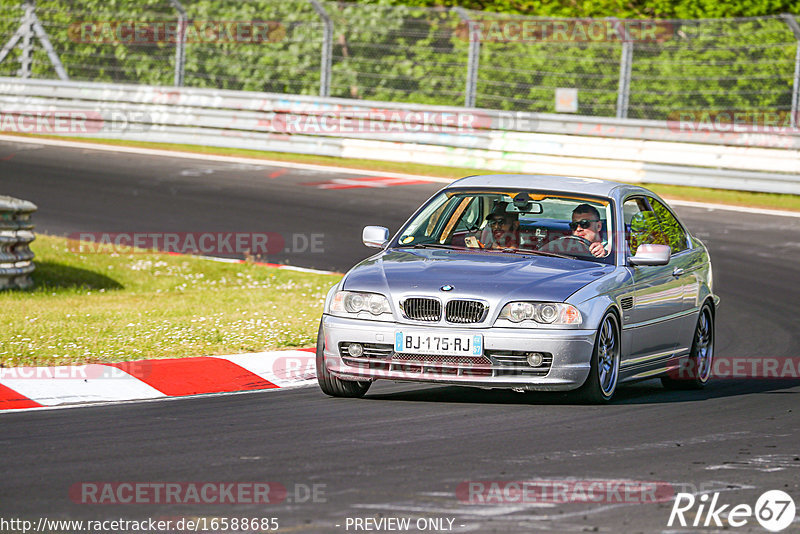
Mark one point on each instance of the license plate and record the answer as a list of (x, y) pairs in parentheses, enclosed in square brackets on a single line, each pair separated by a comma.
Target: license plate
[(440, 344)]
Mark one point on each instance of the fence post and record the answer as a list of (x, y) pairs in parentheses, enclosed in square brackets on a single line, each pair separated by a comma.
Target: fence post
[(473, 58), (30, 26), (327, 50), (625, 64), (48, 47), (180, 45), (792, 22), (27, 41)]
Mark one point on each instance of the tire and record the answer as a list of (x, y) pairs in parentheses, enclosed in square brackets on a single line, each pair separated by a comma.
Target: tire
[(701, 358), (601, 383), (331, 385)]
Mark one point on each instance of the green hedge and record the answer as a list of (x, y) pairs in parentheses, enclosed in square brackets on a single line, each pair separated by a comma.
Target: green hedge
[(418, 54)]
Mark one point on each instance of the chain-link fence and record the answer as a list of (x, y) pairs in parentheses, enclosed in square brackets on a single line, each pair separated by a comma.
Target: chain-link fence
[(643, 69)]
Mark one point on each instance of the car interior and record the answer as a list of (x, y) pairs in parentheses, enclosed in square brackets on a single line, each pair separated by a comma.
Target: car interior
[(536, 229)]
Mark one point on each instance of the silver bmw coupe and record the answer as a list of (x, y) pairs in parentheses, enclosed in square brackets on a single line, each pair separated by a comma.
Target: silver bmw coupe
[(525, 282)]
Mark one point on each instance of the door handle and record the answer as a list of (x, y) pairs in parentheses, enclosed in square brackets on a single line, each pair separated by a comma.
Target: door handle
[(677, 271)]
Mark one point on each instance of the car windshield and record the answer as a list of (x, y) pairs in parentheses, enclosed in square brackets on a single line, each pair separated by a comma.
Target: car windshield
[(530, 222)]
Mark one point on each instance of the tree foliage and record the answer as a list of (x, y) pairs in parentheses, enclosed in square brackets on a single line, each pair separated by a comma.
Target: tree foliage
[(633, 9), (416, 51)]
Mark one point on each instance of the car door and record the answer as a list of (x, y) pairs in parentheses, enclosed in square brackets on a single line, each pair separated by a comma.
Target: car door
[(686, 263), (657, 294)]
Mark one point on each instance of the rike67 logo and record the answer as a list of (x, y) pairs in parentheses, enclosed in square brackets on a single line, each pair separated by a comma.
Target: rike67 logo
[(774, 510)]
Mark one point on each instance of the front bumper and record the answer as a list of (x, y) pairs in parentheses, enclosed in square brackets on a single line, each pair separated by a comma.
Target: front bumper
[(567, 362)]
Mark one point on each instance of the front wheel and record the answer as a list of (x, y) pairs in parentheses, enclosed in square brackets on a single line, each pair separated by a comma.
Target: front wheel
[(696, 373), (601, 383), (331, 385)]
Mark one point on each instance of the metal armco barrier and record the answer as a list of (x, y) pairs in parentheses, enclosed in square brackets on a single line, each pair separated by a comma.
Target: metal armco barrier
[(16, 233), (592, 147)]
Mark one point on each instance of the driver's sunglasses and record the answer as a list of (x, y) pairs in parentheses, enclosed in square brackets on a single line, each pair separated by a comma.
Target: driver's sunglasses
[(583, 223), (499, 221)]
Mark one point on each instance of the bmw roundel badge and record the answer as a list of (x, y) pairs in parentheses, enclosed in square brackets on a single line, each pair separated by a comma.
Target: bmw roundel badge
[(446, 287)]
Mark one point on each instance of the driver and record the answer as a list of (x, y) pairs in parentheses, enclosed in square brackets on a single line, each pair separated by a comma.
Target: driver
[(586, 224)]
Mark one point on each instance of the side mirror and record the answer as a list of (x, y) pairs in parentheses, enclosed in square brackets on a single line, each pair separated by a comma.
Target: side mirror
[(375, 236), (650, 255)]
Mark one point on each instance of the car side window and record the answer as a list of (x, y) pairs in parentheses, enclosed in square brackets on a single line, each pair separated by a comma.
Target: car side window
[(673, 231), (436, 217), (470, 219), (641, 225)]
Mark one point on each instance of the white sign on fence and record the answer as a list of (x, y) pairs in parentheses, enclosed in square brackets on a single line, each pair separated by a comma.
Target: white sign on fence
[(566, 100)]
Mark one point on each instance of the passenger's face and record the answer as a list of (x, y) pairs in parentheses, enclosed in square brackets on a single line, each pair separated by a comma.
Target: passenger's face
[(593, 226), (500, 226)]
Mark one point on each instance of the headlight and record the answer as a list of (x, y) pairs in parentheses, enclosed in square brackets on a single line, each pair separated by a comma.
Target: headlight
[(355, 302), (541, 312)]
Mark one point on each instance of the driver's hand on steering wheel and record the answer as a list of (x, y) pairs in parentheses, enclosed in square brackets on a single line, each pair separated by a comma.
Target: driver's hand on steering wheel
[(597, 249)]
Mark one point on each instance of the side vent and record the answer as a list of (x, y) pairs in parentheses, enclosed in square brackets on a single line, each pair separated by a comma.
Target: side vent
[(626, 303)]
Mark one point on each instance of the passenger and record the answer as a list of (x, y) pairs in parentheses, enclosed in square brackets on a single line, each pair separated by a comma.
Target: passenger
[(586, 223), (504, 227)]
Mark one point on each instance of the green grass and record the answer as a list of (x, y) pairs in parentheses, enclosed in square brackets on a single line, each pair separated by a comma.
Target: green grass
[(699, 194), (87, 308), (725, 196)]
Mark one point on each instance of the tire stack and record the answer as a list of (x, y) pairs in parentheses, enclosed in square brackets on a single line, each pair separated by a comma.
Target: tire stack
[(16, 234)]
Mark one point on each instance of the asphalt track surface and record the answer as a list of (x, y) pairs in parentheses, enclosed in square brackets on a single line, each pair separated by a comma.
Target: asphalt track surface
[(403, 450)]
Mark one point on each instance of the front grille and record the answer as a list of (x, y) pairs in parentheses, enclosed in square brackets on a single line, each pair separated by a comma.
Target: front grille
[(381, 356), (438, 358), (422, 309), (465, 311)]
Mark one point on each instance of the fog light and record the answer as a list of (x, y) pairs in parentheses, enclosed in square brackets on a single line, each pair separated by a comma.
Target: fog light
[(355, 350), (535, 359)]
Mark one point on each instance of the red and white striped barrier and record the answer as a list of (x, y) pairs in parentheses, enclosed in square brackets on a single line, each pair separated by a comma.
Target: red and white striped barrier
[(37, 387)]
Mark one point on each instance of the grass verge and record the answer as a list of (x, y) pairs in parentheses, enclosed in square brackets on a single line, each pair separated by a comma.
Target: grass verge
[(91, 308), (698, 194)]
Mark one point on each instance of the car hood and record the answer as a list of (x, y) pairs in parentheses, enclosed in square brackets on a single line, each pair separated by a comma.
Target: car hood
[(485, 275)]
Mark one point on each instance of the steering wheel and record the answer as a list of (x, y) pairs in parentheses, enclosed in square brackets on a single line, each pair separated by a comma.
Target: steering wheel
[(568, 244)]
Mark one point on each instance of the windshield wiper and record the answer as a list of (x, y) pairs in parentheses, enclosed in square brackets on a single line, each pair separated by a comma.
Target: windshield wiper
[(436, 245), (506, 250)]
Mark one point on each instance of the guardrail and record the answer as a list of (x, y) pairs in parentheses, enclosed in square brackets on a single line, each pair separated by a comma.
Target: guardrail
[(16, 234), (592, 147)]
